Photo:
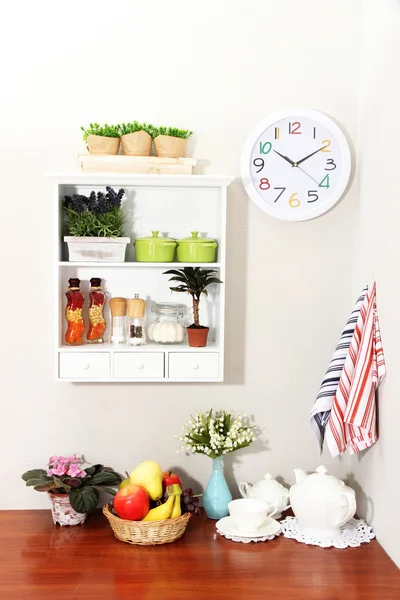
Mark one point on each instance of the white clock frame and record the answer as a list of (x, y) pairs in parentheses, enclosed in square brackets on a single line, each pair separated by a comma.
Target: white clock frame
[(340, 187)]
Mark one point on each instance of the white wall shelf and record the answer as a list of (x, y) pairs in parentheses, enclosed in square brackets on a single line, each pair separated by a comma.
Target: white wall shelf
[(175, 205)]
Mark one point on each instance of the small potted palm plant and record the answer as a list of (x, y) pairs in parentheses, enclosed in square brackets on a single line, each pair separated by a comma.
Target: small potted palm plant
[(94, 225), (136, 138), (170, 142), (102, 139), (194, 281), (73, 488)]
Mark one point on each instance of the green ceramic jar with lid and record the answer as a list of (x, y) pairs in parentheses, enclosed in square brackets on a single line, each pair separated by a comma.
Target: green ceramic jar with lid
[(155, 248), (196, 249)]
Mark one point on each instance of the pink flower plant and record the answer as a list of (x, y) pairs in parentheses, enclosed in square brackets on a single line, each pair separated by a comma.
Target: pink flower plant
[(65, 465)]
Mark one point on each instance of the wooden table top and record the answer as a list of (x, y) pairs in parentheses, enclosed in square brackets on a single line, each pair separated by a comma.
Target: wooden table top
[(41, 561)]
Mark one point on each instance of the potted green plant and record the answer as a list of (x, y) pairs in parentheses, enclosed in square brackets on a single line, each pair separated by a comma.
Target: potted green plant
[(102, 139), (72, 487), (170, 142), (136, 138), (194, 281), (94, 226)]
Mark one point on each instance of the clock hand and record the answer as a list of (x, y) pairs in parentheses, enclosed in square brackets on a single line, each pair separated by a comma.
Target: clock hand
[(286, 158), (308, 175), (305, 158)]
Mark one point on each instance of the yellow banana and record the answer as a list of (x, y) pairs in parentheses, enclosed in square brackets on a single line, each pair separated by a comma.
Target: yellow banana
[(176, 511), (162, 512)]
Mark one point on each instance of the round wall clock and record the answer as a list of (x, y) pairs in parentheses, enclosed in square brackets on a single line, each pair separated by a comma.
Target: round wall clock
[(296, 164)]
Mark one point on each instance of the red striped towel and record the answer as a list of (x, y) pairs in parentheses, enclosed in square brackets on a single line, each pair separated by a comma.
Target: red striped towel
[(352, 423)]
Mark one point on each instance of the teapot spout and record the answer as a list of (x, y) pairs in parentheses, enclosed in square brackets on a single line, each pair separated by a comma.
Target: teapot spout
[(300, 475)]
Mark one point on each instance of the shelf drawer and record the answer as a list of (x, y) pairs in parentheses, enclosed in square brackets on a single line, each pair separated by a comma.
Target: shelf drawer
[(138, 365), (193, 365), (84, 365)]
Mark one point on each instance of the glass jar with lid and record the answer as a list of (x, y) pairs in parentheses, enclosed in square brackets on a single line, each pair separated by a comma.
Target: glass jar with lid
[(168, 327), (97, 324), (73, 313)]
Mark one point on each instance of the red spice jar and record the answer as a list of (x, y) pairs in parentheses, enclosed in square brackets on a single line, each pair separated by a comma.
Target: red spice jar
[(73, 313), (97, 323)]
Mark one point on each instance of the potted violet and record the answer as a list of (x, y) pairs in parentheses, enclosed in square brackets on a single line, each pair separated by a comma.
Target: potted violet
[(94, 226), (194, 281), (102, 139), (170, 142), (136, 138), (72, 487)]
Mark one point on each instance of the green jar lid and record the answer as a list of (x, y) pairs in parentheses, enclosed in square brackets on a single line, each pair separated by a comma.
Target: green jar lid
[(155, 238), (195, 238)]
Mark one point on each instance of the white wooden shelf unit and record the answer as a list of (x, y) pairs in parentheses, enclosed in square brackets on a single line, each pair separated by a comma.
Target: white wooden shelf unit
[(175, 205)]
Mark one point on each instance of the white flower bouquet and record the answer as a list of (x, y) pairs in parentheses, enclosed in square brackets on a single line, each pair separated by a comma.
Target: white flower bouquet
[(216, 434)]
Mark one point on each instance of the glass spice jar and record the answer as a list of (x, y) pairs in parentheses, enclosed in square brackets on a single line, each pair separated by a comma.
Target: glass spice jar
[(118, 320), (136, 309), (73, 313), (97, 323)]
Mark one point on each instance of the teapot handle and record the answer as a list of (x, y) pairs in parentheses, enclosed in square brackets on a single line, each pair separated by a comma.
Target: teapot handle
[(351, 507), (243, 489)]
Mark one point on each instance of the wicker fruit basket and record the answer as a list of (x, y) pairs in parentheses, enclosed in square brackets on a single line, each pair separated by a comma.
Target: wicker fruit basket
[(149, 533)]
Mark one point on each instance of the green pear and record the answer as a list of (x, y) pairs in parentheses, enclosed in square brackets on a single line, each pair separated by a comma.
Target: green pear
[(124, 483), (149, 475)]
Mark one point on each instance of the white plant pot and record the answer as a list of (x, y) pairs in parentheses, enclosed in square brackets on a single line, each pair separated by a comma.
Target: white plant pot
[(92, 249), (62, 511)]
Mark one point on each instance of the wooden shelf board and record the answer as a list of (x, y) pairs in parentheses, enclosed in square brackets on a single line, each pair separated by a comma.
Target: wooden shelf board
[(138, 265)]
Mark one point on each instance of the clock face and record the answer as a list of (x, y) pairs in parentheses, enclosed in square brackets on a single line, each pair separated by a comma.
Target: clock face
[(296, 164)]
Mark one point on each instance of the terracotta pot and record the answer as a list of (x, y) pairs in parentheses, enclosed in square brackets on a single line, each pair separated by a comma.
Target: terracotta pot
[(197, 337), (99, 144), (62, 511), (136, 144), (170, 147)]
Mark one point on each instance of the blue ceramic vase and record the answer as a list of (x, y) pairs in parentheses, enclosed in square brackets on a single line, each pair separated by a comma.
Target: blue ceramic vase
[(217, 495)]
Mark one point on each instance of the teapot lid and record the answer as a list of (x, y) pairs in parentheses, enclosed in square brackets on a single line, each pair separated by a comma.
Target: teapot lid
[(155, 238), (195, 238)]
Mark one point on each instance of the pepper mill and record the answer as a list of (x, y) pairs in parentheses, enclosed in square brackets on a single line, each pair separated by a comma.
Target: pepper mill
[(136, 310), (118, 320)]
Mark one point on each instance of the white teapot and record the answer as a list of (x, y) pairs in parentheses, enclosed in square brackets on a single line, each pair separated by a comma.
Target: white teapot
[(269, 490), (322, 503)]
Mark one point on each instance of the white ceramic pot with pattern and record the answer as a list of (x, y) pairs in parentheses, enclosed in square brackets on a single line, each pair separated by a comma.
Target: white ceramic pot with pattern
[(62, 511)]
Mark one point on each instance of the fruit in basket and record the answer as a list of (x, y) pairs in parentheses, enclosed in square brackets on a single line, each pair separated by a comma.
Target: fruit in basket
[(124, 483), (189, 503), (164, 511), (149, 475), (169, 479), (132, 502)]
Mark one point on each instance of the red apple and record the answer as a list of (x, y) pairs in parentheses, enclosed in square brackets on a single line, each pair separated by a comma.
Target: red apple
[(132, 502), (169, 479)]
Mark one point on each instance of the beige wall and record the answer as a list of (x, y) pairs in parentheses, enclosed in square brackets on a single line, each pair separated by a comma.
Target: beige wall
[(376, 473), (217, 69)]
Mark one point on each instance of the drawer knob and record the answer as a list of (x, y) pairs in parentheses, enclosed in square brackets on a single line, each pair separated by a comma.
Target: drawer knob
[(86, 367), (140, 367), (195, 367)]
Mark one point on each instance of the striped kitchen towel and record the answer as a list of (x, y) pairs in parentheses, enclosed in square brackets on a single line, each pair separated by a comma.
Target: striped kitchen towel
[(352, 422), (320, 412)]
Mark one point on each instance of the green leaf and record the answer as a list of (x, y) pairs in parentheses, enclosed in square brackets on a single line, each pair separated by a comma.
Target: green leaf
[(61, 484), (106, 489), (45, 487), (73, 482), (38, 473), (105, 478), (38, 481), (84, 499)]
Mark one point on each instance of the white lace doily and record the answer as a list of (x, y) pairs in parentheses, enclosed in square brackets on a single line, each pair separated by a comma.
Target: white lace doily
[(246, 540), (354, 533)]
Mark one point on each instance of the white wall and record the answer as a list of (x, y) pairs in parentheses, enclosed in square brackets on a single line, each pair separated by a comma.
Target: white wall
[(375, 473), (216, 68)]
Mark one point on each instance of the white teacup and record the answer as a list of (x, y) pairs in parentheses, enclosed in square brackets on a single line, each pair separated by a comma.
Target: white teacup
[(248, 514)]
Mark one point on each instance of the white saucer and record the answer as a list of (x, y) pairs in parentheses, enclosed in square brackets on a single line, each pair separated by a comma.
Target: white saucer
[(269, 527)]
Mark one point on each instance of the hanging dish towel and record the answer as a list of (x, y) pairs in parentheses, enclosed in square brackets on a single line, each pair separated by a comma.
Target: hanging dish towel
[(352, 421), (321, 410)]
